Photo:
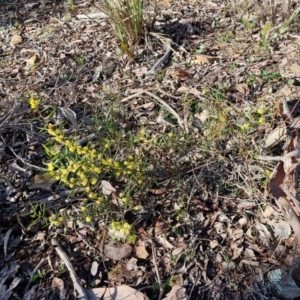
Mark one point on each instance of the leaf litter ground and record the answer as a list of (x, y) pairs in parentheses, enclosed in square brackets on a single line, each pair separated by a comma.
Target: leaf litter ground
[(213, 222)]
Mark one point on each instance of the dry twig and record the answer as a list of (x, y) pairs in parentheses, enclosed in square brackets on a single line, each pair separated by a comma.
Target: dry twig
[(162, 102), (80, 290)]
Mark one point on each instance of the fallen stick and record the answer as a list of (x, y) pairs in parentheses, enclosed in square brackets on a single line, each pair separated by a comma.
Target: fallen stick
[(159, 62), (162, 102), (33, 273), (80, 290)]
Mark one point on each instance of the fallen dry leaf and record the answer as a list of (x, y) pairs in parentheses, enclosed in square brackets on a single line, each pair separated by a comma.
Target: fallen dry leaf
[(282, 230), (115, 293), (295, 69), (275, 137), (263, 233), (69, 114), (57, 284), (161, 239), (107, 188), (202, 59), (182, 74), (41, 181), (132, 264), (116, 251), (203, 116), (189, 90), (16, 39), (141, 251), (177, 292), (94, 268), (31, 62), (228, 266)]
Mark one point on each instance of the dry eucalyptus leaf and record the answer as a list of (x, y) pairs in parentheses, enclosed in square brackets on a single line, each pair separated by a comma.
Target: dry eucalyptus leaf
[(115, 293), (132, 264), (141, 251), (295, 69), (116, 251), (99, 15), (161, 239), (263, 233), (268, 212), (140, 71), (189, 90), (236, 250), (242, 88), (177, 251), (40, 236), (203, 116), (275, 137), (282, 230), (16, 39), (202, 59), (68, 114), (228, 266), (57, 283), (41, 181), (213, 244), (244, 220), (286, 90), (31, 62), (220, 229), (107, 188)]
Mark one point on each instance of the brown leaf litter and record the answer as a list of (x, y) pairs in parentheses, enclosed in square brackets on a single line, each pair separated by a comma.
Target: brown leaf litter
[(226, 242)]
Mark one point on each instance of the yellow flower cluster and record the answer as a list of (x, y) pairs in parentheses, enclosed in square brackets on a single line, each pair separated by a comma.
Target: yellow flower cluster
[(245, 126), (34, 103), (81, 166), (119, 230), (56, 220), (57, 134)]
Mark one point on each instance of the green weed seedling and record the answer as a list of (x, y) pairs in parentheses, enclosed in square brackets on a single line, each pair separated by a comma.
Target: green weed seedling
[(80, 61), (38, 214), (201, 49), (248, 23), (71, 5), (39, 275)]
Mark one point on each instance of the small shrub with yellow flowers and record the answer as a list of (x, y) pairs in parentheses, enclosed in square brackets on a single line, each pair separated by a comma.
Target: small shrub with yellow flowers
[(79, 166), (82, 168), (120, 231), (34, 103)]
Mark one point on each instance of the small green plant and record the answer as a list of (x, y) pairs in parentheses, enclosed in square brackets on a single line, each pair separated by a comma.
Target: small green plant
[(71, 5), (80, 61), (201, 49), (248, 23), (264, 76), (38, 214), (168, 17), (160, 76), (40, 274)]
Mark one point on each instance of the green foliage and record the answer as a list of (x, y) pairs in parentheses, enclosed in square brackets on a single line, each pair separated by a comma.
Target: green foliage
[(71, 5), (38, 214), (40, 274)]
